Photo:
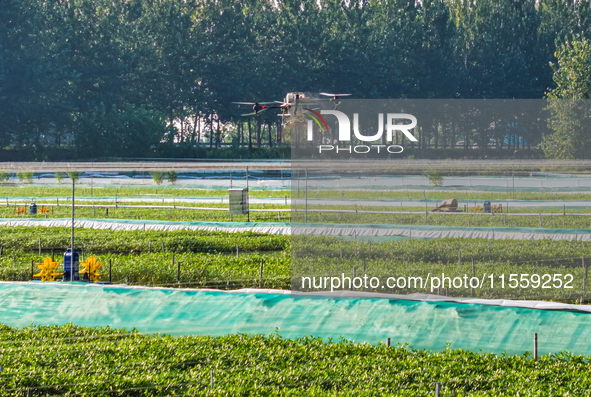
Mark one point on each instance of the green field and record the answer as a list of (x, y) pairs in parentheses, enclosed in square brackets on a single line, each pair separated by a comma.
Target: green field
[(70, 360)]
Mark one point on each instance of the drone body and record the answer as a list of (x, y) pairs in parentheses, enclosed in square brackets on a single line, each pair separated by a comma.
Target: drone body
[(293, 100)]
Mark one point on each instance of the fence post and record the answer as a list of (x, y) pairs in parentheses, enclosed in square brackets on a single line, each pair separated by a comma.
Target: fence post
[(110, 264), (437, 389), (178, 272), (535, 346), (32, 264), (261, 274), (39, 246), (473, 275), (237, 252), (211, 378), (388, 342), (584, 279)]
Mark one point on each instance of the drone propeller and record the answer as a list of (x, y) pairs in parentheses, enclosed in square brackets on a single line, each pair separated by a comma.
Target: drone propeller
[(253, 103), (335, 96)]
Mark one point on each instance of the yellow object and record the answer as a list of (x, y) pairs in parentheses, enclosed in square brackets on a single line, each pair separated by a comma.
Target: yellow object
[(477, 208), (48, 272), (91, 267)]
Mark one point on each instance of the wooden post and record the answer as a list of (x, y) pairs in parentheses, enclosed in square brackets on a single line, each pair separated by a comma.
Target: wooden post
[(388, 342), (39, 246), (110, 263), (535, 346), (178, 272), (437, 389), (261, 275)]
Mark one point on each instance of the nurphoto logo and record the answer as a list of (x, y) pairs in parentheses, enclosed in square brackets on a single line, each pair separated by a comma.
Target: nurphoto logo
[(392, 125)]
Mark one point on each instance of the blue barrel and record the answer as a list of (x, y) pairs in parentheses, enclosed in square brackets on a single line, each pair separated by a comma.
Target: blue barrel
[(33, 209), (487, 207), (71, 274)]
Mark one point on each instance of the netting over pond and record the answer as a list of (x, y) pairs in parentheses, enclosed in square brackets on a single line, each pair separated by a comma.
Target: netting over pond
[(423, 321)]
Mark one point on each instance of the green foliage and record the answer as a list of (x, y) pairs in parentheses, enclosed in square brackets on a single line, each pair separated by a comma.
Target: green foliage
[(4, 176), (570, 114), (27, 238), (25, 176), (169, 66), (59, 177), (158, 177), (265, 366), (435, 177), (172, 176), (74, 175)]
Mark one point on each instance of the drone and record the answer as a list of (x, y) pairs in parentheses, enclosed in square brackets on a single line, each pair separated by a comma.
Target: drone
[(292, 99)]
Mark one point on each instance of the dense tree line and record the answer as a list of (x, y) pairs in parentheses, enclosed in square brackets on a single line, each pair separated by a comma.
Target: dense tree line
[(134, 78)]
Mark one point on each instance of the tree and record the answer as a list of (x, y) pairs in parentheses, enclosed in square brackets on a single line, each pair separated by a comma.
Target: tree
[(158, 177), (172, 176), (570, 115)]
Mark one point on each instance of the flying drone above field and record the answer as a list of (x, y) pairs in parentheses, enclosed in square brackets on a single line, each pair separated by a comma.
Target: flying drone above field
[(292, 99)]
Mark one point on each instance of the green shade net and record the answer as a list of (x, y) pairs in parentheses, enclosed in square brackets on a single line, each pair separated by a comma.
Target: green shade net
[(423, 325)]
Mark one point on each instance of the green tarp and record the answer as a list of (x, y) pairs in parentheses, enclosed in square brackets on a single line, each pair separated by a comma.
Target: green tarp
[(423, 325)]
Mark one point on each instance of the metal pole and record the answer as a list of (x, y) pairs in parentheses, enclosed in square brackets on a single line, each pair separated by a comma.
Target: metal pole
[(535, 346), (72, 237), (513, 177), (306, 196)]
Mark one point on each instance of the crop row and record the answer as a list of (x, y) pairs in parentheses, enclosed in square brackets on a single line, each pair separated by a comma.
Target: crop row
[(11, 190), (178, 191), (488, 280), (434, 219), (98, 241), (70, 360), (170, 269), (443, 250), (556, 221)]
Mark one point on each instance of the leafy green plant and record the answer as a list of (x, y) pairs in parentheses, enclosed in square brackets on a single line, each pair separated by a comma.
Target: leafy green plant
[(25, 176), (158, 177), (435, 177), (59, 177), (4, 176), (74, 175), (172, 176), (265, 366)]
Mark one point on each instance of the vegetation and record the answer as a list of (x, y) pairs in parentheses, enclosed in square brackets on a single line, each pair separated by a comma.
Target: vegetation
[(158, 177), (570, 117), (172, 176), (166, 88), (117, 362), (74, 175), (25, 176), (435, 177)]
